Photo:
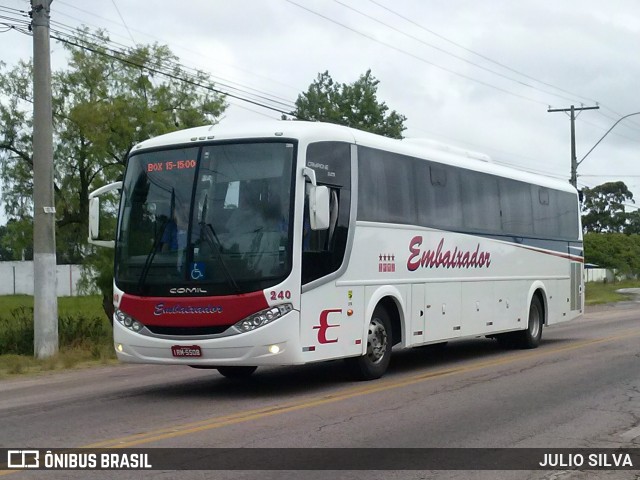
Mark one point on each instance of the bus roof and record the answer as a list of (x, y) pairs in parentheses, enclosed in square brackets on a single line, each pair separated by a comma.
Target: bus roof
[(308, 132)]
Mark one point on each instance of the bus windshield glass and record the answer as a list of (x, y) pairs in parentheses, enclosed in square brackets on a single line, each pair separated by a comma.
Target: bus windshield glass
[(210, 220)]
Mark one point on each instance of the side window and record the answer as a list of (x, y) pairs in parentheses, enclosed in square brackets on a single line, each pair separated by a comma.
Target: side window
[(387, 187), (545, 212), (567, 208), (480, 201), (516, 207), (323, 250), (440, 205), (371, 183)]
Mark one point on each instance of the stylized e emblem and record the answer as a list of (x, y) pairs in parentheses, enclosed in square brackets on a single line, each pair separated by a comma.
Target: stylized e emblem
[(324, 326)]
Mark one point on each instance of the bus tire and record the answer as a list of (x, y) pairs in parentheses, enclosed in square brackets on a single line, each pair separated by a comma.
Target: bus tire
[(373, 364), (236, 372), (530, 338)]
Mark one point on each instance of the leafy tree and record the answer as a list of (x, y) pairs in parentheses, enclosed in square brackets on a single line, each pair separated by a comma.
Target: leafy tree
[(613, 250), (354, 105), (16, 240), (103, 104), (6, 253), (604, 207), (633, 223)]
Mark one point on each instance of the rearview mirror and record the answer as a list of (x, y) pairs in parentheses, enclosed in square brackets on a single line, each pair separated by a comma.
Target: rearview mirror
[(94, 215), (319, 208), (94, 218)]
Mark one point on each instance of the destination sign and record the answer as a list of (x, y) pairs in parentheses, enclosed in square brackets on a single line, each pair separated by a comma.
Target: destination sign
[(170, 165)]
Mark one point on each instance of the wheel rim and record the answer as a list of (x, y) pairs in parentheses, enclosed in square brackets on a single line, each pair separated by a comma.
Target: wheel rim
[(376, 341), (534, 321)]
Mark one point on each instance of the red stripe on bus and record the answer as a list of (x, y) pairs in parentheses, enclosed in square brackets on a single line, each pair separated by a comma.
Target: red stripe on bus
[(193, 311), (567, 256)]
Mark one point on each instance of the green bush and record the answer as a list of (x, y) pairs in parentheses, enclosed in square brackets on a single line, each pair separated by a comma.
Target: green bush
[(16, 332), (74, 330)]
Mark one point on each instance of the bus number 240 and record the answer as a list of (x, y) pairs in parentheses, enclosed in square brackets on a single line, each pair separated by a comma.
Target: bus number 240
[(281, 295)]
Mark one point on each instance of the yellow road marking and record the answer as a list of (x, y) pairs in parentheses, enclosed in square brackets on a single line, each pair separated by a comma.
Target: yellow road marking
[(379, 386)]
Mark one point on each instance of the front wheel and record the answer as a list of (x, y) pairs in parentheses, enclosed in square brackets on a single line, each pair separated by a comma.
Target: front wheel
[(373, 364), (236, 372)]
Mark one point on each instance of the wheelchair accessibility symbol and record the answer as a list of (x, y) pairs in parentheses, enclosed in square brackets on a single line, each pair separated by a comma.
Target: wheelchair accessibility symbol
[(197, 270)]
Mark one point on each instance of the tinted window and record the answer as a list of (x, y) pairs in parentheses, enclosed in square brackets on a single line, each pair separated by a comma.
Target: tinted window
[(323, 250), (387, 187), (331, 162), (400, 189), (440, 205), (215, 216), (545, 212), (480, 201), (515, 207), (567, 206)]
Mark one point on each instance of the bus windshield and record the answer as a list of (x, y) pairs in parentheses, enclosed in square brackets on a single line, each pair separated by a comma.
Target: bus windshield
[(209, 220)]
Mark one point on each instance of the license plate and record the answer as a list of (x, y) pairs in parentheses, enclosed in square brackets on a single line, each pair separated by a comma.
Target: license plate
[(190, 351)]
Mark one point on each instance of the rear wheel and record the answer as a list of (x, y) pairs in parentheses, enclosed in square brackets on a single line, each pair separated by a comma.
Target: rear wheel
[(530, 338), (373, 364), (236, 372)]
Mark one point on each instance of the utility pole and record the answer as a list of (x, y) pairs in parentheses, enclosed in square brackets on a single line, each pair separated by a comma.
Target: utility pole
[(45, 313), (574, 161)]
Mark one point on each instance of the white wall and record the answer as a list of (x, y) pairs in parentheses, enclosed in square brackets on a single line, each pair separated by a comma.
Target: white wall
[(17, 278), (598, 275)]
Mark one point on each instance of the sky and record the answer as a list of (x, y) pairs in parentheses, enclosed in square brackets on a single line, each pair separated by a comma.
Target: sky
[(479, 75)]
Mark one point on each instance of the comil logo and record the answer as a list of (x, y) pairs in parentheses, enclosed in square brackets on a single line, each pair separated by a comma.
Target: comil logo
[(181, 290), (23, 459)]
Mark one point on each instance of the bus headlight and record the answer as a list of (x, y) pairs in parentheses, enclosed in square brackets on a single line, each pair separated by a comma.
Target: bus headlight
[(128, 321), (263, 317)]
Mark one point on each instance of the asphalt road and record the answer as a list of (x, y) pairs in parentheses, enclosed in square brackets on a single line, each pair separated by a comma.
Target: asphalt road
[(579, 389)]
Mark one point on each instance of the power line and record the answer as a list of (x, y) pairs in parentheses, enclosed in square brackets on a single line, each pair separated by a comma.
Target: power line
[(173, 64), (120, 56), (117, 56), (182, 47), (123, 22), (484, 57), (600, 127), (177, 65), (446, 52), (270, 97), (631, 125), (610, 175), (421, 59), (574, 161)]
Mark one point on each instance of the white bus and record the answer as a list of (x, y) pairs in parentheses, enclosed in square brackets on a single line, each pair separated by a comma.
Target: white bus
[(285, 243)]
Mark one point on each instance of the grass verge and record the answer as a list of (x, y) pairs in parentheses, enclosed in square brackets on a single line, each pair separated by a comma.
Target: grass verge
[(83, 330), (85, 333), (599, 292)]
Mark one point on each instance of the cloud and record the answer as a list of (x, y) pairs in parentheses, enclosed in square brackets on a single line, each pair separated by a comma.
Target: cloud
[(585, 47)]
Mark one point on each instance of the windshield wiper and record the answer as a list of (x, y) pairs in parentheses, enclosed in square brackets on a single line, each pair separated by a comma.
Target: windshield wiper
[(150, 256), (216, 245)]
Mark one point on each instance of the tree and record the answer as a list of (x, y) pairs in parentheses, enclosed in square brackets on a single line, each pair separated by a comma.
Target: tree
[(604, 207), (103, 104), (6, 253), (613, 250), (16, 240), (355, 105), (633, 223)]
